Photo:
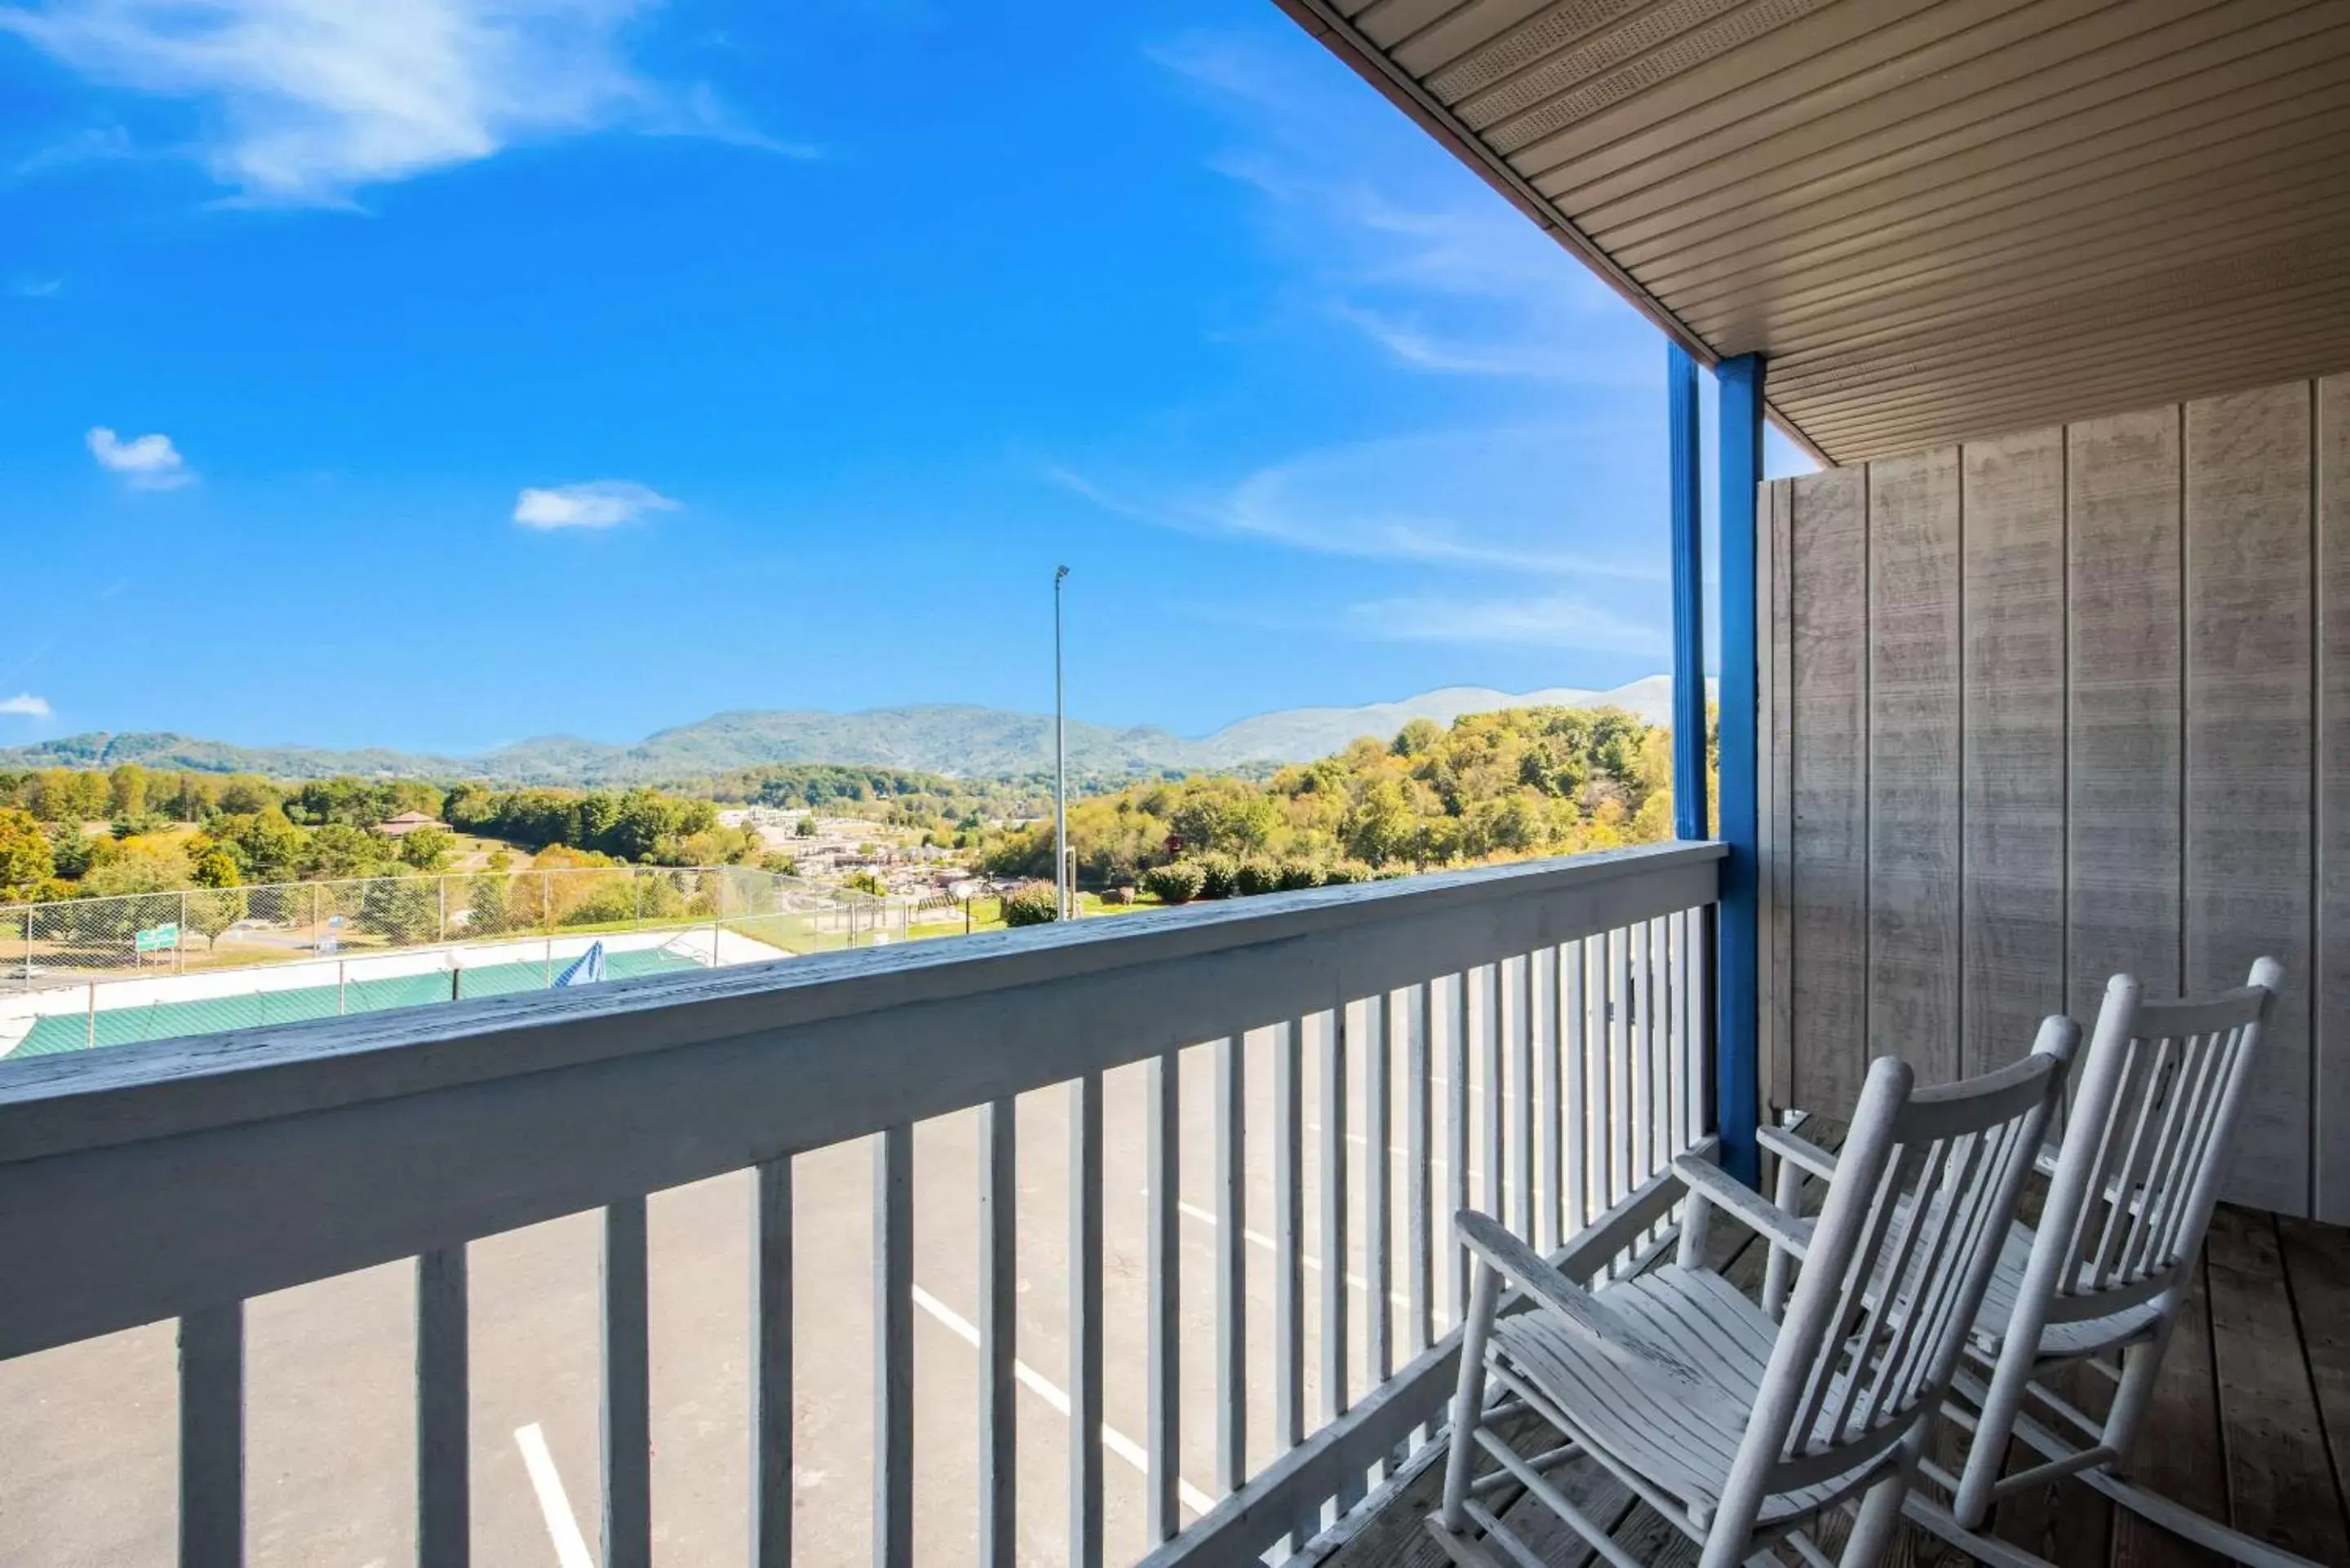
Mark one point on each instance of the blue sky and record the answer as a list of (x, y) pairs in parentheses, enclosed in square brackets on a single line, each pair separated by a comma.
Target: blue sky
[(437, 374)]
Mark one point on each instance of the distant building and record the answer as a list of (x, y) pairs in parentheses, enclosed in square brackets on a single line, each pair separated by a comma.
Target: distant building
[(406, 823)]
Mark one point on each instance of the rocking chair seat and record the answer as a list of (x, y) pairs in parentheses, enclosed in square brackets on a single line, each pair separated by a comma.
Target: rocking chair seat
[(2058, 1340), (1682, 1440)]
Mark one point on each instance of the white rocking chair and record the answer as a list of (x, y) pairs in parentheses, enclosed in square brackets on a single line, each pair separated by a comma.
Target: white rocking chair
[(1740, 1430), (2129, 1199)]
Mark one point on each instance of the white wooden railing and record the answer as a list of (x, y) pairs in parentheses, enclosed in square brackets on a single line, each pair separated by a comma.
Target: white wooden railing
[(178, 1179)]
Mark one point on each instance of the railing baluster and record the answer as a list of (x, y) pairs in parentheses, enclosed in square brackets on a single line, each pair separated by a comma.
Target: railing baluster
[(1289, 1241), (1379, 1170), (1163, 1420), (771, 1365), (1334, 1214), (1232, 1264), (1419, 1117), (1660, 1009), (1482, 1001), (999, 1285), (1572, 1027), (626, 1425), (443, 1466), (1676, 979), (1456, 1140), (212, 1438), (1542, 971), (893, 1348), (1086, 1320), (1516, 1026), (1619, 1073), (1703, 1004), (1288, 1237), (1638, 1061), (1685, 994)]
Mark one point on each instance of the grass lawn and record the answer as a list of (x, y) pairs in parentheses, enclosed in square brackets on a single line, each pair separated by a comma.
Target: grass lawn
[(987, 915)]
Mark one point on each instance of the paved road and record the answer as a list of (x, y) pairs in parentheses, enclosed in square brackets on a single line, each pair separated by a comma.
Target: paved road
[(88, 1438)]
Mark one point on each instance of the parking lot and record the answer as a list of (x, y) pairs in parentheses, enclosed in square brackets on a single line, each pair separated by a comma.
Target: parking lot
[(88, 1436)]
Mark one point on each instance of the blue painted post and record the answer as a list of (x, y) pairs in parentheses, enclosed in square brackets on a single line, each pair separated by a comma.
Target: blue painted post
[(1737, 1086), (1688, 599)]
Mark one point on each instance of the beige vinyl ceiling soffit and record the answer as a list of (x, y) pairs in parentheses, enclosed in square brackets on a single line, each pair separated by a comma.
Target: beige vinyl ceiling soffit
[(1938, 219)]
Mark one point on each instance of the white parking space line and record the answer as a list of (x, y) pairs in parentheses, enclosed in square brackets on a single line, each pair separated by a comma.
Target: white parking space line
[(1304, 1260), (570, 1546), (1036, 1383)]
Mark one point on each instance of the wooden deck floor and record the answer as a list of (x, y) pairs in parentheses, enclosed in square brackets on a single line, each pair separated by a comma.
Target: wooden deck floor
[(2251, 1426)]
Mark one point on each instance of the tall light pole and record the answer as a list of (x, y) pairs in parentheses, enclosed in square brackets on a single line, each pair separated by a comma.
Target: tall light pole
[(1063, 894)]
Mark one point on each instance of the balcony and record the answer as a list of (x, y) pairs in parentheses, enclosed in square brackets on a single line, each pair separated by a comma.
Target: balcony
[(1048, 1246), (1125, 1241)]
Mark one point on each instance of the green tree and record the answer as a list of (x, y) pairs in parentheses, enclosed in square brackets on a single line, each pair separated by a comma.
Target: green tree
[(217, 902), (1419, 738), (26, 861), (267, 847), (338, 850), (485, 896), (402, 909), (1031, 904), (1378, 827), (1176, 883), (247, 794), (68, 795), (426, 848), (71, 851), (138, 867), (127, 790)]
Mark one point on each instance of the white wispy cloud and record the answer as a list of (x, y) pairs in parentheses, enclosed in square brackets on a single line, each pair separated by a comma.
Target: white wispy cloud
[(37, 287), (1391, 237), (1541, 620), (91, 144), (145, 462), (596, 503), (305, 102), (24, 704), (1494, 500)]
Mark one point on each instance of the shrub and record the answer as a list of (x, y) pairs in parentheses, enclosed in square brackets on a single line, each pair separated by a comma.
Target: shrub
[(1347, 871), (1031, 904), (1219, 876), (1296, 874), (1256, 875), (1177, 883)]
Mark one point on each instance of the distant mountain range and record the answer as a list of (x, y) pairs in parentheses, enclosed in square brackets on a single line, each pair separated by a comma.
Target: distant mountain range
[(948, 738)]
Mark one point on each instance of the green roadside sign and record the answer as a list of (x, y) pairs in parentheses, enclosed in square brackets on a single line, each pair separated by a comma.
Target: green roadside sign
[(157, 939)]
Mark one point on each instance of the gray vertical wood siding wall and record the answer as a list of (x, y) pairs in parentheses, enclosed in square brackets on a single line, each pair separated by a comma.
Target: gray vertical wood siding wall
[(2044, 708)]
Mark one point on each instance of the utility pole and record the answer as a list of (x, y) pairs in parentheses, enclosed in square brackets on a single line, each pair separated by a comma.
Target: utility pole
[(1062, 891)]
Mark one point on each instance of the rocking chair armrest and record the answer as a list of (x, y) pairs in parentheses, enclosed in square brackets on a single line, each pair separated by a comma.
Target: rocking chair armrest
[(1801, 1152), (1711, 1184), (1524, 1267)]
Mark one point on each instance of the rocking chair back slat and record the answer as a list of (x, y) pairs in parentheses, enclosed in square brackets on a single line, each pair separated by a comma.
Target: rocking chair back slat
[(2139, 1169)]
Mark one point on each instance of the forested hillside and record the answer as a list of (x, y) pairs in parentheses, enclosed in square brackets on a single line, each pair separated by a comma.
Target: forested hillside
[(1492, 786)]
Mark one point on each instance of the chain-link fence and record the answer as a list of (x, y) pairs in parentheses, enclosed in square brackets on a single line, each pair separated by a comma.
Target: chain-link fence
[(82, 941)]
